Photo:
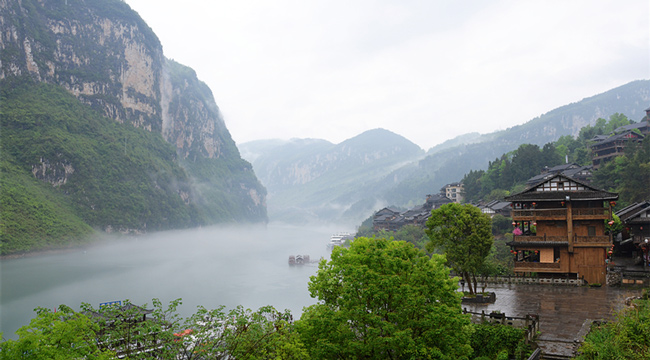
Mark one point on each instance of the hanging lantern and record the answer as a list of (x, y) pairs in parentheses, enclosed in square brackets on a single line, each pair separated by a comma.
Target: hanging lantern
[(536, 251), (534, 204), (534, 223), (613, 203), (610, 252), (610, 223), (562, 203), (514, 223)]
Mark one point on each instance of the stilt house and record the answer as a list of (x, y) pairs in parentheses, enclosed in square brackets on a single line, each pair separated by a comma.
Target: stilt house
[(559, 229)]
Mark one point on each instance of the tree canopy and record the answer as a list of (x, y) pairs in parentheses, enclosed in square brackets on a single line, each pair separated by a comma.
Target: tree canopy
[(625, 338), (384, 299), (465, 235)]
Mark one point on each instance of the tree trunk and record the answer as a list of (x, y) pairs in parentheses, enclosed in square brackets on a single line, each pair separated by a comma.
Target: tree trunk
[(468, 280), (475, 283)]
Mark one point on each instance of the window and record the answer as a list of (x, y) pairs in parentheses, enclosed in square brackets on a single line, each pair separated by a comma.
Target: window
[(591, 230)]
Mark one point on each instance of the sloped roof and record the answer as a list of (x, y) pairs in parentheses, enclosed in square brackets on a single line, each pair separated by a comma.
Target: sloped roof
[(628, 213), (589, 192), (638, 125), (569, 170), (621, 136)]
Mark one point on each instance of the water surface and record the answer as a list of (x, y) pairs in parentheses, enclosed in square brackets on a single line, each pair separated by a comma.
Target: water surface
[(209, 267)]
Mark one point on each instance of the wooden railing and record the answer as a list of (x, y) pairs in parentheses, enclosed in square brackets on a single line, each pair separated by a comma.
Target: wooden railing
[(539, 213), (592, 239), (536, 265), (597, 213), (528, 238), (559, 214)]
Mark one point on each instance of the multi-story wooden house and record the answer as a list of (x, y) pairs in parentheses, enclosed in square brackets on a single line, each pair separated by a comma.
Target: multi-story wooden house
[(604, 150), (559, 229)]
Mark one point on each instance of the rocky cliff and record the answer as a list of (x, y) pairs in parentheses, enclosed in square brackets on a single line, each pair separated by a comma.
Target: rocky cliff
[(105, 55)]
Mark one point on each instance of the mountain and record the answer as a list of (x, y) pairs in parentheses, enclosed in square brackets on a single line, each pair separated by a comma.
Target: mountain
[(448, 163), (105, 133), (308, 180), (315, 180)]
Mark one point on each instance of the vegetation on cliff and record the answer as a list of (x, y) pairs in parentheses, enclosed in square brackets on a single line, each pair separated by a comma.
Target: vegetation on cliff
[(627, 175), (67, 169)]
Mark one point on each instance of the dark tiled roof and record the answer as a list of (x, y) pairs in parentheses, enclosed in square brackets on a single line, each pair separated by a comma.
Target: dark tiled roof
[(591, 193), (621, 136), (632, 210), (638, 125)]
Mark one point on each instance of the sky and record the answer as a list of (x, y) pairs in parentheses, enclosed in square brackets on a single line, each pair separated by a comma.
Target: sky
[(426, 70)]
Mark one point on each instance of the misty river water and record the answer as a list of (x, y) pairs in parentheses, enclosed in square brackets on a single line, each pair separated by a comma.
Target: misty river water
[(209, 266)]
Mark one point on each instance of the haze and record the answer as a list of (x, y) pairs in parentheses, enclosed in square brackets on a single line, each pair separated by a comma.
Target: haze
[(427, 70), (216, 266)]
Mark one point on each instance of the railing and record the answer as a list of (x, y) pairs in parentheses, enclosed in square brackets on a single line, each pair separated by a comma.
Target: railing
[(554, 213), (541, 239), (536, 265), (592, 239), (600, 213), (528, 238), (539, 213), (530, 322)]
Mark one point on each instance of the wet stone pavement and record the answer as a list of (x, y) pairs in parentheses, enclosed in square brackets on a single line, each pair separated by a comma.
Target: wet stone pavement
[(562, 310)]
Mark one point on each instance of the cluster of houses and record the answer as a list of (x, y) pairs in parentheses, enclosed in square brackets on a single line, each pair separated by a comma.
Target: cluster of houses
[(392, 219), (562, 226)]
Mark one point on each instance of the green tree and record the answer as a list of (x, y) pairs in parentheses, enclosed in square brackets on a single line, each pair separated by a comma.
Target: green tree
[(384, 299), (413, 234), (465, 234), (625, 338), (64, 334), (207, 334)]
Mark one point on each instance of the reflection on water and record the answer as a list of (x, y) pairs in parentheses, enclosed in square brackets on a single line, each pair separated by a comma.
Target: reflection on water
[(209, 267)]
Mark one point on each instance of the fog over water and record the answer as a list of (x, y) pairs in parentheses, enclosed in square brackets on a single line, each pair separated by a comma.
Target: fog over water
[(211, 266)]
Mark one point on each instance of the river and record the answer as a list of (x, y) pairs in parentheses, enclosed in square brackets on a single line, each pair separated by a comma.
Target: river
[(209, 266)]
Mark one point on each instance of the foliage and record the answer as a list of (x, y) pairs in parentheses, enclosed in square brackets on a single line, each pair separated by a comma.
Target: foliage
[(384, 299), (491, 340), (122, 331), (614, 226), (465, 234), (625, 338), (629, 174), (63, 334), (501, 224), (33, 217), (508, 171), (96, 172)]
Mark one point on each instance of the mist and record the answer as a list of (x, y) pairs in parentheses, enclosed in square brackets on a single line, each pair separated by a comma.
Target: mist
[(213, 266)]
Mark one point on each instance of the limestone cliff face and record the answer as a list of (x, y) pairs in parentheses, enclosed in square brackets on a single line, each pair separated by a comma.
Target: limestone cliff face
[(104, 53)]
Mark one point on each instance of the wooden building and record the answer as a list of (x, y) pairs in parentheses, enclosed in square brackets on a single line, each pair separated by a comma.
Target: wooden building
[(604, 150), (560, 229), (635, 239)]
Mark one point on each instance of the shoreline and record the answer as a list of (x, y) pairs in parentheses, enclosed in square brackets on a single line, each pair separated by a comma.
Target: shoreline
[(42, 253)]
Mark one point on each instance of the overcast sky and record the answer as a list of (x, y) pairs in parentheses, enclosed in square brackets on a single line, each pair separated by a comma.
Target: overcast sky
[(427, 70)]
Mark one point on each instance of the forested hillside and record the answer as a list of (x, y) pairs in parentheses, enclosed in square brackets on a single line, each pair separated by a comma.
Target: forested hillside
[(117, 137), (449, 162), (628, 175), (315, 180)]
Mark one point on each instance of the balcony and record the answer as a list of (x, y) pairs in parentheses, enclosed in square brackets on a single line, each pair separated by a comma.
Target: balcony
[(523, 266), (602, 240), (527, 240), (539, 214), (560, 214), (590, 214)]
